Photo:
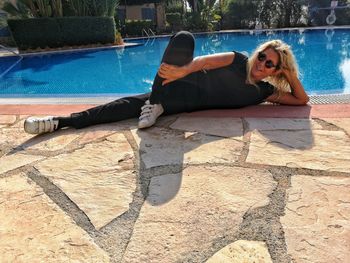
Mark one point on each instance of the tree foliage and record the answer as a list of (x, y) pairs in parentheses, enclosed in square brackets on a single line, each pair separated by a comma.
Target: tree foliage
[(33, 8), (318, 15), (198, 14), (239, 13), (57, 8), (281, 13)]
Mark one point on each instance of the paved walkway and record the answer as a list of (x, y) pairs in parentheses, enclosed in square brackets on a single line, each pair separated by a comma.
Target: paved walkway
[(204, 187)]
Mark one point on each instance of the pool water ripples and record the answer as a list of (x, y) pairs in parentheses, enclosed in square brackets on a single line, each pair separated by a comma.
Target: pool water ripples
[(323, 58)]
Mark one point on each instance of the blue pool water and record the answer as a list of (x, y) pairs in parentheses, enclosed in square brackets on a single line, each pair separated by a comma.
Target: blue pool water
[(323, 58)]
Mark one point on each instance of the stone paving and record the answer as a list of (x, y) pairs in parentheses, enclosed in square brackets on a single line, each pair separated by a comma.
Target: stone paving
[(190, 189)]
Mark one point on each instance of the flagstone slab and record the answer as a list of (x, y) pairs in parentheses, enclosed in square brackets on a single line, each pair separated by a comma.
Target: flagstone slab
[(17, 160), (317, 219), (160, 146), (343, 123), (96, 132), (55, 141), (34, 229), (312, 149), (242, 251), (20, 123), (7, 119), (93, 135), (17, 137), (224, 127), (99, 178), (14, 136), (282, 124), (185, 213)]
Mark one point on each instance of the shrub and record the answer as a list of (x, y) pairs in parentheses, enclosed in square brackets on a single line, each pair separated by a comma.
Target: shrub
[(135, 27), (62, 31), (36, 32), (87, 30)]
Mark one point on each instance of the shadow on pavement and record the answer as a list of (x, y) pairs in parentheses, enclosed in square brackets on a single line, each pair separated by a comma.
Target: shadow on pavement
[(164, 147), (169, 147)]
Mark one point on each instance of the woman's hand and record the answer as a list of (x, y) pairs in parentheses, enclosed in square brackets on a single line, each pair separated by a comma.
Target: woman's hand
[(207, 62), (297, 96), (288, 74), (171, 72)]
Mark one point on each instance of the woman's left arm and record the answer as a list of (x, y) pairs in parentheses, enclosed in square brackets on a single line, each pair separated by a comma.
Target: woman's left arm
[(297, 96), (207, 62)]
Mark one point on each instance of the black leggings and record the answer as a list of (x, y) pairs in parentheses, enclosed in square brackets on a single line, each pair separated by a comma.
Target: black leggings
[(175, 97)]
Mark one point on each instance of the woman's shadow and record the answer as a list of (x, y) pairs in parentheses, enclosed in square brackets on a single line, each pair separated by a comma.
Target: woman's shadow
[(215, 137), (212, 138)]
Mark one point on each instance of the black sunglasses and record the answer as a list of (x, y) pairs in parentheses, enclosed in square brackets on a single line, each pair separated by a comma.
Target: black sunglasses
[(268, 63)]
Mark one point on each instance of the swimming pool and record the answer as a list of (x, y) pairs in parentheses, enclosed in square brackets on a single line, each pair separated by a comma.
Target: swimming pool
[(323, 57)]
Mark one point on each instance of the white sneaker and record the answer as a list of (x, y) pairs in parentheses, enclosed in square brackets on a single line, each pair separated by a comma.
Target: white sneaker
[(149, 114), (36, 125)]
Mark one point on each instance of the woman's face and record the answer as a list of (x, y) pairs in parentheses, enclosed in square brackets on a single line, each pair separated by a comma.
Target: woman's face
[(265, 64)]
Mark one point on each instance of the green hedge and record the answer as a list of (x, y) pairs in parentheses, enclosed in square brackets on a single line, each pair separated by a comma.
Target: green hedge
[(62, 31), (134, 27)]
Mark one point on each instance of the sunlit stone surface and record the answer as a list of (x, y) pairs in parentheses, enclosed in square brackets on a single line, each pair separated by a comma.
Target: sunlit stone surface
[(100, 178), (166, 147), (13, 136), (224, 127), (281, 124), (317, 219), (7, 119), (16, 160), (316, 149), (34, 229), (186, 212), (343, 123), (242, 251), (52, 141)]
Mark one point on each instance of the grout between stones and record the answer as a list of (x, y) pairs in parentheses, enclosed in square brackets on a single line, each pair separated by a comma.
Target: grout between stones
[(62, 200), (259, 224)]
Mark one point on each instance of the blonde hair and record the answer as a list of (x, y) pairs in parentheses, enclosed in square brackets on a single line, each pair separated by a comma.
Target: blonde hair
[(286, 61)]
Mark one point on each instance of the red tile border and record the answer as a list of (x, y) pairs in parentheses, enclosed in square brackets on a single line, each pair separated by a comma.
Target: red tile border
[(266, 111), (42, 109)]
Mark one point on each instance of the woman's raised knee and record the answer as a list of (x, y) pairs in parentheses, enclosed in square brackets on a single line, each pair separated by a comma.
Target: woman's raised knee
[(183, 36)]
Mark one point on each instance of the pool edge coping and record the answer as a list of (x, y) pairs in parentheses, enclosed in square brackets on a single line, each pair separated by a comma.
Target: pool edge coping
[(98, 99), (126, 45)]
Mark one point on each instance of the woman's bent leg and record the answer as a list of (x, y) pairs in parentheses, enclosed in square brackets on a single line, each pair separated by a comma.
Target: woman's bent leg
[(179, 52)]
